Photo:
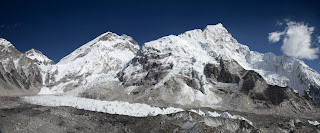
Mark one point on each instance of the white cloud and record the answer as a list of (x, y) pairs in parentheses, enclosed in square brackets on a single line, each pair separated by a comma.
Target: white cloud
[(275, 36), (318, 39), (296, 41)]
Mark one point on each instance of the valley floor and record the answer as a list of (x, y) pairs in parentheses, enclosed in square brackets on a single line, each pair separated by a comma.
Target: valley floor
[(19, 116)]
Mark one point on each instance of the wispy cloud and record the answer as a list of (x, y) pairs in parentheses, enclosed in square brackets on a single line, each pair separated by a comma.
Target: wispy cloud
[(9, 27), (296, 40), (279, 23)]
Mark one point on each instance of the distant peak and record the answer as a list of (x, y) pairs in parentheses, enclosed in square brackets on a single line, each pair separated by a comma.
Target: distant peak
[(5, 42), (37, 55), (32, 51)]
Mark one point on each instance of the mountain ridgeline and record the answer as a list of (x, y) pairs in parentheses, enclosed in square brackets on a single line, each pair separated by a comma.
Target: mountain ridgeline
[(198, 68)]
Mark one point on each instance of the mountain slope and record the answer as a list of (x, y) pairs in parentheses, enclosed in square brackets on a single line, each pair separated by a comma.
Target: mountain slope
[(97, 61), (19, 72)]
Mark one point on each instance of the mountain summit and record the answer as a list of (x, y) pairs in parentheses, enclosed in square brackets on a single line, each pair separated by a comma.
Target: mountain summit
[(38, 56), (4, 42)]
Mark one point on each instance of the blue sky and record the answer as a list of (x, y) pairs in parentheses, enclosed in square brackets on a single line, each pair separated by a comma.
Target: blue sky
[(57, 27)]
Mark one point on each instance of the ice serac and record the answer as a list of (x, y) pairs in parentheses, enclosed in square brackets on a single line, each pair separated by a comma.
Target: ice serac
[(19, 74), (97, 61)]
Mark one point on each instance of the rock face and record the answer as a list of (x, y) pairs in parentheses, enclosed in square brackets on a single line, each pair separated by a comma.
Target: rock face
[(19, 72)]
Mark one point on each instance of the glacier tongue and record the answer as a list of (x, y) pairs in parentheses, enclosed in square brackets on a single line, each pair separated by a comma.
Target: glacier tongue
[(111, 107)]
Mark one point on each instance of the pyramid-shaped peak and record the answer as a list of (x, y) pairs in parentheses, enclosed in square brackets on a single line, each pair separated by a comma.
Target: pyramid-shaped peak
[(110, 36), (37, 55), (105, 43), (110, 39), (32, 51)]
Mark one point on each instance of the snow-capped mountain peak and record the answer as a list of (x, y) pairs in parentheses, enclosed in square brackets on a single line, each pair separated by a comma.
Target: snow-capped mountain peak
[(4, 42), (105, 42), (36, 55), (6, 46), (101, 58), (190, 52), (217, 29), (218, 33)]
